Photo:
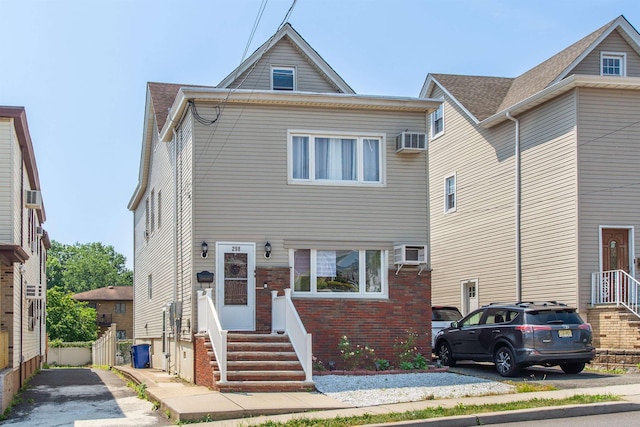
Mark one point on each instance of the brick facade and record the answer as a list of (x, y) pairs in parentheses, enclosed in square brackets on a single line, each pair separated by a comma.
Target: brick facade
[(614, 328), (203, 373), (376, 323)]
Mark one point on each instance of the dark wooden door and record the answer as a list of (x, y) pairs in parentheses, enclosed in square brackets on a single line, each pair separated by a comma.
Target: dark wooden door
[(615, 249)]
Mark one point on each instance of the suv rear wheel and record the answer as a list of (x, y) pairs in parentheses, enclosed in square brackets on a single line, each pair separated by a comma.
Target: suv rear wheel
[(572, 368), (445, 354), (505, 362)]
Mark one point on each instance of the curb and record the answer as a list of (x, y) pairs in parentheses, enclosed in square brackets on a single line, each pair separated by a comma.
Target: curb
[(522, 415)]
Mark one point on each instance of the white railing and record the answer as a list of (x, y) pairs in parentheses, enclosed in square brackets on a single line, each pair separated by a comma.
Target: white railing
[(209, 322), (615, 287), (284, 318)]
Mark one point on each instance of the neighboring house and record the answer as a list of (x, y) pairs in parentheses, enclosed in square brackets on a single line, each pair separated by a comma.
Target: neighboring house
[(280, 177), (113, 304), (23, 254), (535, 184)]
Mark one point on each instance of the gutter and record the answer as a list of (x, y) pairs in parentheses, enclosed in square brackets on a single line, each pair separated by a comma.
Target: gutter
[(518, 198)]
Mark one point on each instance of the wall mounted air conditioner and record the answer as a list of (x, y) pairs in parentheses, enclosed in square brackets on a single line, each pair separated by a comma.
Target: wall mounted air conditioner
[(32, 199), (34, 291), (410, 254), (411, 142), (39, 231)]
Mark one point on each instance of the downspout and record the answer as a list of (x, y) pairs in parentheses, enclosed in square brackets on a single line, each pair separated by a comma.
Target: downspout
[(175, 251), (22, 266), (517, 206)]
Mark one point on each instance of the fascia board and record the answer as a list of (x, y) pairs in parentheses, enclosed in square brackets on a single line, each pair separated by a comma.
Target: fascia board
[(300, 99), (571, 82), (145, 155)]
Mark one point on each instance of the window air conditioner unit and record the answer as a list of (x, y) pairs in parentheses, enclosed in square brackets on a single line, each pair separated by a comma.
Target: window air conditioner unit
[(32, 199), (410, 254), (411, 142), (34, 291), (39, 231)]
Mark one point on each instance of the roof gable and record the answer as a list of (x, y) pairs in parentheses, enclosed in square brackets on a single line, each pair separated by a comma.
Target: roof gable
[(560, 65), (237, 77)]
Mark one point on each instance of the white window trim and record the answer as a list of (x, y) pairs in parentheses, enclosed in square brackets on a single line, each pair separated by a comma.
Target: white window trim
[(432, 117), (360, 136), (362, 294), (455, 193), (623, 63), (284, 67)]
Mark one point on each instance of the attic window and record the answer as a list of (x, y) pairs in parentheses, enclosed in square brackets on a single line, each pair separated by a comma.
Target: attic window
[(283, 78), (613, 64)]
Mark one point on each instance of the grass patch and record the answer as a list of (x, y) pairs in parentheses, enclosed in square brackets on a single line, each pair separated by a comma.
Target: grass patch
[(439, 411), (529, 387)]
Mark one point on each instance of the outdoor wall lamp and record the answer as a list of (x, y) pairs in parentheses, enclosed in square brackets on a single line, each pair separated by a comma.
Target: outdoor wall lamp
[(205, 249), (267, 250)]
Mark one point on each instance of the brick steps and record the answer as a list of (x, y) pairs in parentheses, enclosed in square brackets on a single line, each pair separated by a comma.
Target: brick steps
[(259, 363)]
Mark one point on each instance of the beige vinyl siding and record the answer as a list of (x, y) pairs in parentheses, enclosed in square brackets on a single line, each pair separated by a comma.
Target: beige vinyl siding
[(154, 256), (6, 178), (242, 191), (185, 249), (284, 53), (609, 176), (549, 202), (614, 43), (476, 241)]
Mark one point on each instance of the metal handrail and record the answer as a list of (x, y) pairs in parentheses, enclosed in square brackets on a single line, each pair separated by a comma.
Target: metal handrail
[(615, 287)]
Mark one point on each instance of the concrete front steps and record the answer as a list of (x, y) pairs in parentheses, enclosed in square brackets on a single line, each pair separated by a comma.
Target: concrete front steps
[(259, 363)]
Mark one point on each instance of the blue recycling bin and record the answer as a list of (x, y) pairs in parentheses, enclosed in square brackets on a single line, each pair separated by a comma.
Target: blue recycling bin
[(140, 355)]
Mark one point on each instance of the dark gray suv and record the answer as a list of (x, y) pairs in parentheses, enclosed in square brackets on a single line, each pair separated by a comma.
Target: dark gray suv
[(517, 335)]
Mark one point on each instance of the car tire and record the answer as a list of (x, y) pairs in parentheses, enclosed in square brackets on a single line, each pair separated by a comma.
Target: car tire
[(445, 354), (505, 362), (572, 368)]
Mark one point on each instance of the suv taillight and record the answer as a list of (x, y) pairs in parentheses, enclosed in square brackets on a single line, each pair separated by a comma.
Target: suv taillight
[(585, 326), (529, 329)]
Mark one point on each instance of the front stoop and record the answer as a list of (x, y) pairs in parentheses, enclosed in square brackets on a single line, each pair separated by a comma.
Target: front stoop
[(259, 363)]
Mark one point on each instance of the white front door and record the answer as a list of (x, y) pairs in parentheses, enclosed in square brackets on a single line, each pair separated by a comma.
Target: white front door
[(469, 295), (235, 286)]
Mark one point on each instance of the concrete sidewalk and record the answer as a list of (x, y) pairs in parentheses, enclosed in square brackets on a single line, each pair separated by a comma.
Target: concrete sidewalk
[(188, 402)]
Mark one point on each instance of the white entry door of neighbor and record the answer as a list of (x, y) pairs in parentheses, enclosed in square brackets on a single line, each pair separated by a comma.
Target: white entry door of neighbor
[(235, 286)]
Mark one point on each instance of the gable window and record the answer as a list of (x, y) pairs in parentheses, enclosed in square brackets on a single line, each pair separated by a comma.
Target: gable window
[(450, 193), (339, 273), (335, 159), (613, 64), (283, 78), (153, 210), (121, 307), (437, 121), (159, 208)]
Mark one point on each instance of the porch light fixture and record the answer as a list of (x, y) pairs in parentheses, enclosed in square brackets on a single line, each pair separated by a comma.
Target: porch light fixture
[(267, 250), (205, 249)]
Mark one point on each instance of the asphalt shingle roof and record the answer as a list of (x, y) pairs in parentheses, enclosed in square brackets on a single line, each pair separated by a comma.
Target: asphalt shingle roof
[(108, 293)]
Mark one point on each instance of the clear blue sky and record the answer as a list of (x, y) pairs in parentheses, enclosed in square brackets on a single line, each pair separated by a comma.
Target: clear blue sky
[(80, 69)]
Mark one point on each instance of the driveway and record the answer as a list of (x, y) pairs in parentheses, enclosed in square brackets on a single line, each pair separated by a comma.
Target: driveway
[(553, 375), (82, 397)]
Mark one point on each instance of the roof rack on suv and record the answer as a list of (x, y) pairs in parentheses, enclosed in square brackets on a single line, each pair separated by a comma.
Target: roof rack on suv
[(542, 303)]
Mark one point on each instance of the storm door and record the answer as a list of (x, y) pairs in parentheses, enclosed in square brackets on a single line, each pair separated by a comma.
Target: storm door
[(235, 286)]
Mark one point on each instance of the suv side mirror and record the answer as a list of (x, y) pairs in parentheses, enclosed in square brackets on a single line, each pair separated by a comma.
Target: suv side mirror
[(454, 325)]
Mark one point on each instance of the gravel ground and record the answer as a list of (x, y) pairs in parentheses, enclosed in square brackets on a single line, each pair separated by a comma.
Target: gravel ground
[(371, 390)]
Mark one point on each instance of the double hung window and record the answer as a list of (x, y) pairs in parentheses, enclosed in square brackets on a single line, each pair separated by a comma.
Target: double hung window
[(346, 159), (450, 202), (437, 121), (339, 273)]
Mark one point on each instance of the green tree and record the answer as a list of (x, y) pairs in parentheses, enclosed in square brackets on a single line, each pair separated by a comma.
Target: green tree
[(69, 320), (86, 266)]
